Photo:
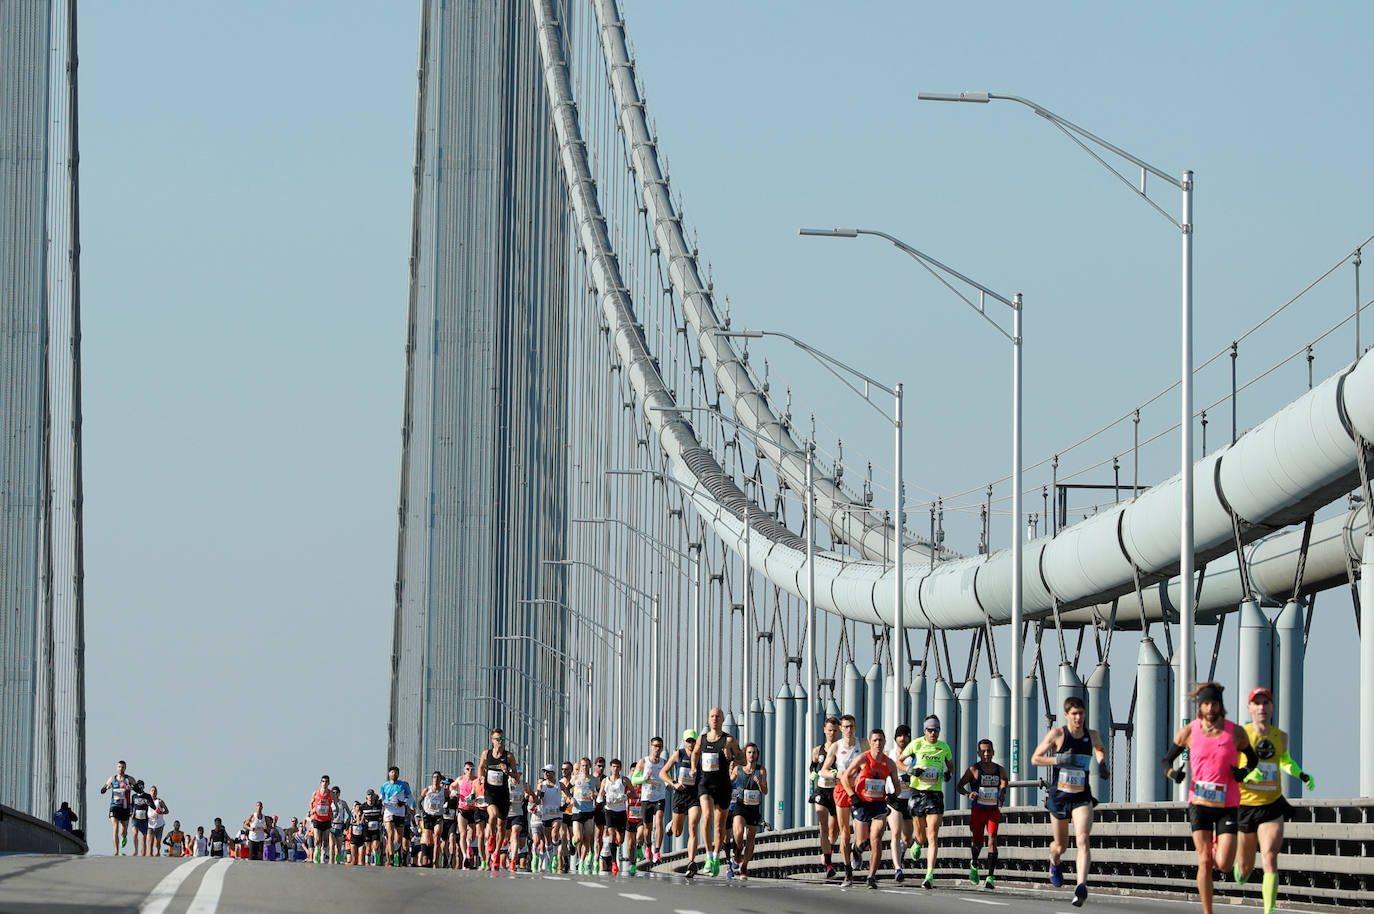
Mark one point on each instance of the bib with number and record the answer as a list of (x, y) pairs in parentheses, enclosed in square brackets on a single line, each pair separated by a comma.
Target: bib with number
[(685, 775), (496, 777), (753, 797), (1210, 792), (710, 761), (874, 788), (1071, 780)]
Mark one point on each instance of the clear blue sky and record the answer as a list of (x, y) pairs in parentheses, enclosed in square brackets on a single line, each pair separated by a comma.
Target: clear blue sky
[(246, 176)]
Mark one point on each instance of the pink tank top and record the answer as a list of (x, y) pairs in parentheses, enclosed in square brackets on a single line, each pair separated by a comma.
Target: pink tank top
[(465, 789), (1212, 758)]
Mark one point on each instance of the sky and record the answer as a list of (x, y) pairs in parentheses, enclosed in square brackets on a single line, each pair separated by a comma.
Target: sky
[(245, 204)]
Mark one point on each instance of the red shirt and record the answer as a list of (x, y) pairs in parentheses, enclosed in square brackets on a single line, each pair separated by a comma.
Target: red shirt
[(871, 781)]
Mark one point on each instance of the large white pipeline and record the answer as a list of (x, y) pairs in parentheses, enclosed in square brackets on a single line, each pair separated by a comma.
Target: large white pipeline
[(1277, 473)]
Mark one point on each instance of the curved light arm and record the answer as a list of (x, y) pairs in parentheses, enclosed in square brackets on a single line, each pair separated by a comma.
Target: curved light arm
[(623, 585), (583, 617)]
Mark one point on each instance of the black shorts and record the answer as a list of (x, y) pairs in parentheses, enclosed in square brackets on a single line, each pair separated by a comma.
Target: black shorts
[(1220, 820), (599, 817), (751, 814), (498, 802), (1250, 818), (432, 822), (469, 815), (927, 803), (1063, 807), (518, 821), (718, 789), (357, 839), (650, 809), (321, 827), (616, 819), (480, 816), (567, 820), (119, 813), (447, 827), (584, 817), (374, 830), (141, 826), (869, 810), (684, 800), (824, 797), (902, 807)]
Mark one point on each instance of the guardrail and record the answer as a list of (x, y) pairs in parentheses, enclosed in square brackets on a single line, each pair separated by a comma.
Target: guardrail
[(21, 833), (1327, 858)]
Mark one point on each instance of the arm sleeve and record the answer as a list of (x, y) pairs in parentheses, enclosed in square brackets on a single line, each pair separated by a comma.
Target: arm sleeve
[(1175, 750), (1289, 765)]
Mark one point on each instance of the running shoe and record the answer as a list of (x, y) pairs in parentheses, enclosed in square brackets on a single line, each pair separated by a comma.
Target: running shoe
[(973, 874), (729, 869), (632, 869), (744, 871), (872, 883), (829, 871), (658, 857), (615, 868), (1056, 878), (914, 853), (1080, 895), (899, 877), (1238, 876), (848, 881), (714, 863), (928, 884), (989, 884), (125, 842), (691, 869)]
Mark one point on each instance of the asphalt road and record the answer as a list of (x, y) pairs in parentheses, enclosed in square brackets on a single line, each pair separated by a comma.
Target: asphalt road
[(111, 885)]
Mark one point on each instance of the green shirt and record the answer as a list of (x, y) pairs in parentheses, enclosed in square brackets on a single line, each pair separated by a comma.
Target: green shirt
[(928, 771)]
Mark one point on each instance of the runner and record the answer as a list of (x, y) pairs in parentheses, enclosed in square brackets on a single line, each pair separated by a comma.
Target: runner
[(357, 835), (373, 811), (157, 812), (120, 787), (566, 846), (653, 795), (549, 800), (931, 764), (139, 802), (711, 760), (495, 765), (432, 799), (219, 839), (448, 826), (899, 820), (842, 752), (465, 787), (257, 825), (678, 774), (1214, 746), (176, 840), (637, 831), (338, 827), (1067, 751), (1262, 804), (599, 813), (322, 818), (200, 845), (823, 796), (614, 794), (396, 799), (583, 792), (276, 848), (752, 779), (517, 823), (866, 780), (985, 784)]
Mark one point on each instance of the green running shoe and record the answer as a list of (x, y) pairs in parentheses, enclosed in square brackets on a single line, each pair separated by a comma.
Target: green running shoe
[(632, 869), (973, 874), (915, 853), (1238, 876), (989, 884)]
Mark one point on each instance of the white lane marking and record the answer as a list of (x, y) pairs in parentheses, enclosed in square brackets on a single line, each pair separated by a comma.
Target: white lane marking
[(687, 911), (555, 878), (207, 898), (633, 897), (162, 893), (1000, 904), (592, 885)]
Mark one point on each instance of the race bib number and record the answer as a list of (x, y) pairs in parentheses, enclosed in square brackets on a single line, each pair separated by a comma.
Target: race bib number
[(433, 802), (1269, 775), (710, 761), (374, 825), (218, 846), (1209, 791), (874, 787), (989, 794), (753, 797), (357, 829), (496, 777), (140, 813), (685, 775), (826, 780), (1071, 780), (322, 809), (927, 775)]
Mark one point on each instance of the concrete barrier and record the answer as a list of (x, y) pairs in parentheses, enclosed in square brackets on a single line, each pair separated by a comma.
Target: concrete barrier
[(21, 833), (1327, 858)]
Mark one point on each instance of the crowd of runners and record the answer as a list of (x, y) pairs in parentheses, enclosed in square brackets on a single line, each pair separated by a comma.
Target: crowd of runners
[(595, 816)]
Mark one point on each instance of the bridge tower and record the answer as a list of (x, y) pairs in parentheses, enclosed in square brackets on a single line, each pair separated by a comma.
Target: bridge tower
[(42, 629), (478, 632)]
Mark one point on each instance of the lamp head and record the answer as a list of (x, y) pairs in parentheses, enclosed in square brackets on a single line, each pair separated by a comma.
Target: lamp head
[(831, 233), (981, 98)]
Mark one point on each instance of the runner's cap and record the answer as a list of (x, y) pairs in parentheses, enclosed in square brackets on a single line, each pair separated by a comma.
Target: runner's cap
[(689, 733), (1257, 691), (550, 768)]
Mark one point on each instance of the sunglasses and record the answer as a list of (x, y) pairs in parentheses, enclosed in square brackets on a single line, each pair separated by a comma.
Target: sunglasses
[(932, 729)]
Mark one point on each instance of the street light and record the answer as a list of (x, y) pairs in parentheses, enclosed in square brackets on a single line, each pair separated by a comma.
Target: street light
[(566, 659), (898, 622), (936, 268), (619, 660), (654, 616), (1185, 226)]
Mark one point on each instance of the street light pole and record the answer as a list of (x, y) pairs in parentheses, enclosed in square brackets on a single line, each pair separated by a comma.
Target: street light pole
[(894, 714), (1186, 554)]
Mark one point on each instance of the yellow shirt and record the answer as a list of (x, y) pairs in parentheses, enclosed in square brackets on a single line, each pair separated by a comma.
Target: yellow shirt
[(1270, 748)]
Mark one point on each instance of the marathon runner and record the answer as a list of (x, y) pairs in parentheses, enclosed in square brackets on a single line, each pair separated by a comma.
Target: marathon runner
[(653, 795), (583, 794), (200, 845), (1214, 746), (494, 767), (842, 752), (256, 825), (931, 765), (396, 800), (448, 826), (823, 796), (549, 799), (432, 798), (373, 811), (637, 831), (566, 846), (614, 794), (1262, 804), (157, 812), (466, 786), (176, 840), (900, 819), (985, 784), (866, 780), (357, 836), (1067, 751), (752, 781), (139, 802), (338, 827), (517, 822), (120, 787), (275, 849), (711, 760), (219, 839), (322, 818), (599, 814), (678, 774)]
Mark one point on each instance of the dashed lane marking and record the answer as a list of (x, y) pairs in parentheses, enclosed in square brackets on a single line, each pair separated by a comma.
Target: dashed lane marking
[(592, 885), (164, 891), (633, 897), (1000, 904), (207, 897)]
